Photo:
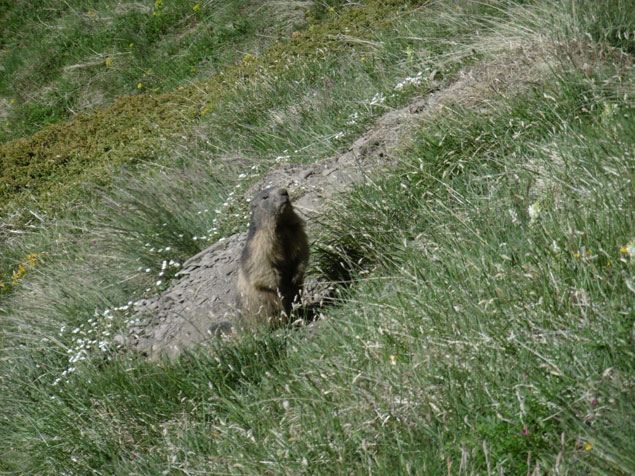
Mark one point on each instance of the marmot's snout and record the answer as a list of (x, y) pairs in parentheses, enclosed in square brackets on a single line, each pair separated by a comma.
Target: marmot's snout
[(281, 198)]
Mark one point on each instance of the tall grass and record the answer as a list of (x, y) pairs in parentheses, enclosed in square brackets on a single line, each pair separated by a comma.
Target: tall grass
[(488, 325), (506, 290)]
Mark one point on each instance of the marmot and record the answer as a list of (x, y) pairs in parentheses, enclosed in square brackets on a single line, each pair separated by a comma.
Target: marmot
[(274, 259)]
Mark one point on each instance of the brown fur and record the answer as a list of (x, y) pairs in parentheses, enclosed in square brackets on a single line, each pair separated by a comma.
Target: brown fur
[(274, 259)]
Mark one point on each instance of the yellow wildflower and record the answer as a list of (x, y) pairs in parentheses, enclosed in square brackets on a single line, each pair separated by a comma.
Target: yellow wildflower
[(139, 86), (131, 45), (196, 7), (27, 263), (12, 101), (247, 57), (155, 13), (108, 61), (587, 447), (332, 9), (363, 59), (158, 4), (19, 273), (623, 250), (192, 69), (205, 110), (576, 255)]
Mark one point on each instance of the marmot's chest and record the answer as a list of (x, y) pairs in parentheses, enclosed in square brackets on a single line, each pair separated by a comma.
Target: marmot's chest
[(282, 260), (273, 255)]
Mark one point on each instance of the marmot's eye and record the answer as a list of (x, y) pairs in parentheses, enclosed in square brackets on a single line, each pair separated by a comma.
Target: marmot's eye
[(265, 197)]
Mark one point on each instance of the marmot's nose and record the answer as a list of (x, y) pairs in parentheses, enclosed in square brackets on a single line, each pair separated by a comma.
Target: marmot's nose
[(283, 191)]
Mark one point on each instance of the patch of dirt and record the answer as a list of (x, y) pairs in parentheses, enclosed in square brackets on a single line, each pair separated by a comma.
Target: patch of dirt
[(203, 296)]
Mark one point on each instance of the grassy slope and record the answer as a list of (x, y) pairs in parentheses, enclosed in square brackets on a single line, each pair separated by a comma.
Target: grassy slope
[(479, 336), (210, 124), (63, 58), (52, 167)]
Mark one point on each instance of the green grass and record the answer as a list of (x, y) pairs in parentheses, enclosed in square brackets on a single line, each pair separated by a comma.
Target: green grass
[(516, 322), (488, 325), (64, 59), (52, 170)]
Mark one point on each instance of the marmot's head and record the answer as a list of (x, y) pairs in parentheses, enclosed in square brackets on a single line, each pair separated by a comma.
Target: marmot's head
[(271, 206)]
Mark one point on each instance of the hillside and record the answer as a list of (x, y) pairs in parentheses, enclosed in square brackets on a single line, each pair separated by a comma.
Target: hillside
[(466, 171)]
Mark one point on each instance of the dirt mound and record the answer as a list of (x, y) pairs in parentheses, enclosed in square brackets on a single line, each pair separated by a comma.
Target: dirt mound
[(204, 293)]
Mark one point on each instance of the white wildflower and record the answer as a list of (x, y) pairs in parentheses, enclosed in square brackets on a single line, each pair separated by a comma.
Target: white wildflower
[(377, 99), (413, 80), (534, 212)]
